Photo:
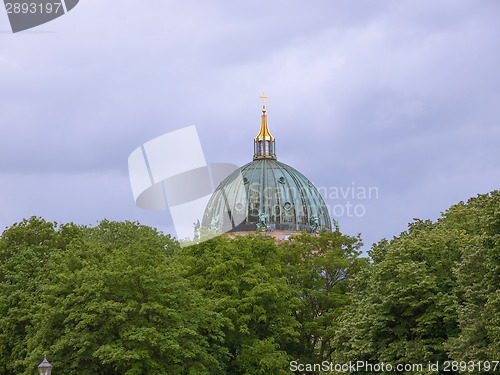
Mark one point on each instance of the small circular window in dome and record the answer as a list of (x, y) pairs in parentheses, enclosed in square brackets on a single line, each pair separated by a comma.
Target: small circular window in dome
[(239, 206), (245, 180), (287, 205), (281, 180)]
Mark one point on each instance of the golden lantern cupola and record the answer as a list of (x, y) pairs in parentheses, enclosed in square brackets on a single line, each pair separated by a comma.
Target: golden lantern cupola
[(264, 146)]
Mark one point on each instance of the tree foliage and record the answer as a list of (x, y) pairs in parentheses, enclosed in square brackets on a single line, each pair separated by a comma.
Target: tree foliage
[(431, 294), (320, 270), (101, 300), (121, 298), (280, 301), (24, 252), (478, 280)]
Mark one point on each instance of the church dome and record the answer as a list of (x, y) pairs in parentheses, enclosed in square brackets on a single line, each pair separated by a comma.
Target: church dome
[(266, 194)]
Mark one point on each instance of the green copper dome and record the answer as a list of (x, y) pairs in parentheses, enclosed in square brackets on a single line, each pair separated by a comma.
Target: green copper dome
[(269, 195), (266, 194)]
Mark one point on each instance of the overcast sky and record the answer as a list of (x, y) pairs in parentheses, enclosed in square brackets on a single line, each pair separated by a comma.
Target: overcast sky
[(399, 96)]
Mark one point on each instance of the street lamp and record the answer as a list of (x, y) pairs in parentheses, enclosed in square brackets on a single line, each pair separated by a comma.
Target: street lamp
[(45, 368)]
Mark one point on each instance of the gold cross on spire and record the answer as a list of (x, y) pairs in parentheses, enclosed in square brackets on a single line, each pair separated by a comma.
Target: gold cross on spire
[(264, 97)]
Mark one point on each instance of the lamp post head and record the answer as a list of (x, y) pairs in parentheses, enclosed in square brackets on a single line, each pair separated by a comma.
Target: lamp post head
[(45, 368)]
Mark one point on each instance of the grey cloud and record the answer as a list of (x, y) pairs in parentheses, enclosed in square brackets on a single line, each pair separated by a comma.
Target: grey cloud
[(401, 95)]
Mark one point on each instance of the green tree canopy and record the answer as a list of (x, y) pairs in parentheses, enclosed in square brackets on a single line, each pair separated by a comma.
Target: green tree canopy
[(281, 301), (321, 271), (244, 278), (121, 298), (102, 300), (431, 294)]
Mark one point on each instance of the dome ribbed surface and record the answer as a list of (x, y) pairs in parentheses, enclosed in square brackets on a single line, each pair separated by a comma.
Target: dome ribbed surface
[(266, 194)]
